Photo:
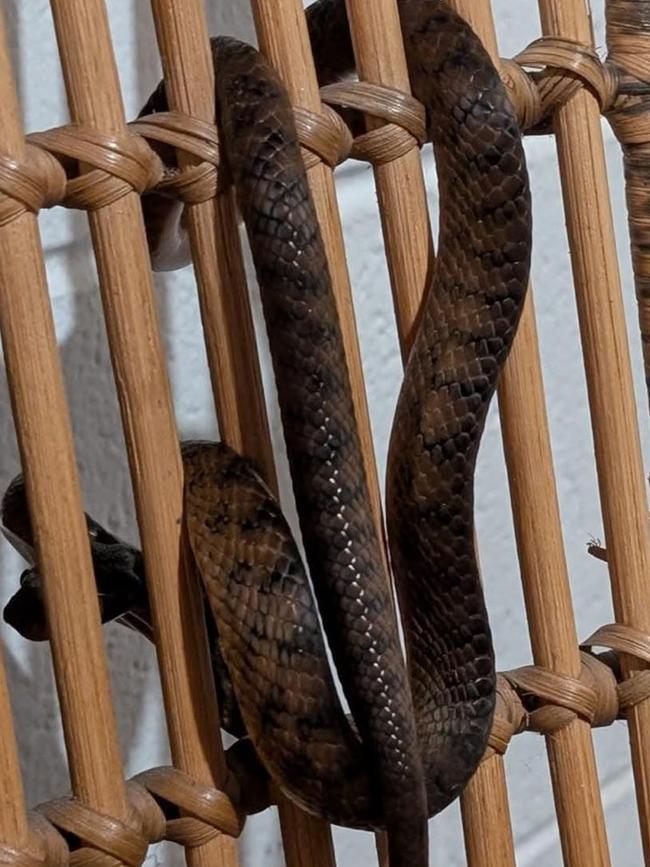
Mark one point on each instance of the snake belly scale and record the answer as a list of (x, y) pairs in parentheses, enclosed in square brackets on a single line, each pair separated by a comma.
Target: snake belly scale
[(417, 730)]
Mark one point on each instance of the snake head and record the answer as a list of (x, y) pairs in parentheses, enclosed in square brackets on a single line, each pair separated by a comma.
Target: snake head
[(118, 568)]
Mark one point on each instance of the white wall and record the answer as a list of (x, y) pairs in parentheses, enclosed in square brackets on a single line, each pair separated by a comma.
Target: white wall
[(100, 445)]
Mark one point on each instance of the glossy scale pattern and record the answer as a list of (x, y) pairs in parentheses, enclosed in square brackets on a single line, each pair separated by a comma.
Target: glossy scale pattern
[(417, 732)]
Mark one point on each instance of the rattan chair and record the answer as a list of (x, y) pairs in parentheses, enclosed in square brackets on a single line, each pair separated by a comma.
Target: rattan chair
[(560, 86)]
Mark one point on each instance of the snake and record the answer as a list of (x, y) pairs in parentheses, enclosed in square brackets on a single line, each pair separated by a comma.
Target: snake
[(418, 716)]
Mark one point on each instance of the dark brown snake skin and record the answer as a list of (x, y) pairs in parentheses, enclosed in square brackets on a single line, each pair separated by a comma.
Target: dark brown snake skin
[(416, 737)]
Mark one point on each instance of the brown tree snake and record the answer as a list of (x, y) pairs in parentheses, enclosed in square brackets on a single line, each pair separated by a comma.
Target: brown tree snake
[(417, 731)]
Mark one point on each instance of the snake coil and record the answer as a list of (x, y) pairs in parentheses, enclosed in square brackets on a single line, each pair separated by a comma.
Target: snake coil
[(417, 731)]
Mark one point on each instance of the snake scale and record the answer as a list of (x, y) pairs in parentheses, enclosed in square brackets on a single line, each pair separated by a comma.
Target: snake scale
[(418, 730)]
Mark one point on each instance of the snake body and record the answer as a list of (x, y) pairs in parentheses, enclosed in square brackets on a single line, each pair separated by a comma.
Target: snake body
[(418, 730)]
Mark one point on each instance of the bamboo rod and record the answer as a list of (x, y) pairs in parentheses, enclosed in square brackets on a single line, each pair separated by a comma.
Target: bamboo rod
[(214, 239), (376, 30), (181, 30), (46, 448), (283, 38), (13, 817), (547, 593), (129, 306), (485, 810), (230, 341), (400, 183), (288, 48), (307, 840), (542, 559), (228, 327), (605, 349)]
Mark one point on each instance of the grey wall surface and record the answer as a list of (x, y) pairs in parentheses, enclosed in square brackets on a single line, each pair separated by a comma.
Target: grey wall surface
[(82, 341)]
